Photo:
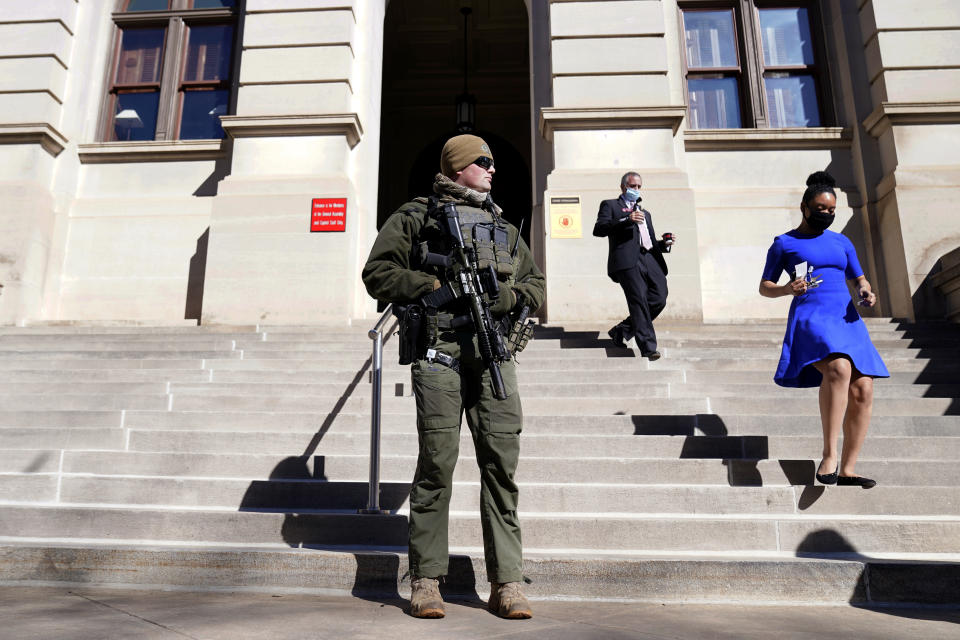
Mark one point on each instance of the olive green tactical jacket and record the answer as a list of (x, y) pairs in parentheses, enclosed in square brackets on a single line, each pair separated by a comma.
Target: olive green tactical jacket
[(388, 275)]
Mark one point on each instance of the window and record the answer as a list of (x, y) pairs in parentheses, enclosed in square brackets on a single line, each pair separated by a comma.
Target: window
[(752, 63), (170, 78)]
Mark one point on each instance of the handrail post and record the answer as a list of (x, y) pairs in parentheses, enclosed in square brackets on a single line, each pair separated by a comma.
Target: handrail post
[(373, 486)]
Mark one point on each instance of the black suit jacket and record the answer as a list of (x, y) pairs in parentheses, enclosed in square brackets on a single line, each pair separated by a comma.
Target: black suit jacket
[(614, 224)]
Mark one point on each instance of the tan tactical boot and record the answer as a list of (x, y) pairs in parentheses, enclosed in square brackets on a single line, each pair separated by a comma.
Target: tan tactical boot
[(507, 601), (425, 600)]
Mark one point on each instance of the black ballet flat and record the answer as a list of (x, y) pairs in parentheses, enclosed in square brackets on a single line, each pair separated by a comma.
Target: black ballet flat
[(855, 481), (828, 478)]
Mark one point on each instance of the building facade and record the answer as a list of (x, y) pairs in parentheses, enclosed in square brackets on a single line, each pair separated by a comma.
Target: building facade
[(229, 161)]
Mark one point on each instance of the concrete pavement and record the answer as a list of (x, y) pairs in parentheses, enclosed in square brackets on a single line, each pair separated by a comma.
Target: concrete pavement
[(72, 613)]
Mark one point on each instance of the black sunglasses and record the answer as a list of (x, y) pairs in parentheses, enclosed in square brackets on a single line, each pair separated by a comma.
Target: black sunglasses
[(484, 161)]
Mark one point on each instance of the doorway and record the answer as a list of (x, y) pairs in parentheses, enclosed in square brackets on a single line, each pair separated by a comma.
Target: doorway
[(423, 74)]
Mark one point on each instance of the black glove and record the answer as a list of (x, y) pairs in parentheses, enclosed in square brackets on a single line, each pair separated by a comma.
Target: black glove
[(503, 304)]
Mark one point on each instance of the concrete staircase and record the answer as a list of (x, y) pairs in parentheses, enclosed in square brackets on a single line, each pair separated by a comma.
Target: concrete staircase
[(237, 458)]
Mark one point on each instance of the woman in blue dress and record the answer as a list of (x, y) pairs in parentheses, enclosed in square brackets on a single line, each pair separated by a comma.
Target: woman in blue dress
[(826, 343)]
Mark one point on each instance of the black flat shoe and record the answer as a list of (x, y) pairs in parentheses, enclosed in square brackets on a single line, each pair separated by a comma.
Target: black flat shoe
[(828, 478), (856, 481), (617, 338), (652, 355)]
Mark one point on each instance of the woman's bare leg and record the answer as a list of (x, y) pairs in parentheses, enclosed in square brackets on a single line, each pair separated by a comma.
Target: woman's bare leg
[(836, 372), (856, 421)]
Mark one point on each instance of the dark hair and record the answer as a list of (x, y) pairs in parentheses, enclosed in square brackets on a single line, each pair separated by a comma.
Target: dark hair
[(819, 182), (623, 180)]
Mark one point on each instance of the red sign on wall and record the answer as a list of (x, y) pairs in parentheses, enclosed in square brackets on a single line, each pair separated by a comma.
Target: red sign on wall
[(328, 214)]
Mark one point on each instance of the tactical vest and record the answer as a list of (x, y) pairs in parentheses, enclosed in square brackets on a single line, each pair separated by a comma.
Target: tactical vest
[(481, 230), (490, 240)]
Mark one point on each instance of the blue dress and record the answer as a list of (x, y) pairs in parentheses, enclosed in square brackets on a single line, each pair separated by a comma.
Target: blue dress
[(824, 320)]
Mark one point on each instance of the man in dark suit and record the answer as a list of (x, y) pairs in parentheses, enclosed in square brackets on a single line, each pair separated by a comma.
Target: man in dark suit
[(636, 263)]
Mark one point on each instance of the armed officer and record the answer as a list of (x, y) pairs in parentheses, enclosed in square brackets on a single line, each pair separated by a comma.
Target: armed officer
[(417, 264)]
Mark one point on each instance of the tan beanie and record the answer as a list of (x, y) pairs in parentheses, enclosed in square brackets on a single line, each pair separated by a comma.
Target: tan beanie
[(459, 152)]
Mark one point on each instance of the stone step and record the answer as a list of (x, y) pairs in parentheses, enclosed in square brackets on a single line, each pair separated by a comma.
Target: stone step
[(656, 404), (676, 347), (62, 438), (595, 352), (698, 424), (198, 337), (874, 324), (74, 402), (382, 573), (40, 389), (51, 418), (604, 384), (696, 337), (99, 364), (536, 497), (41, 329), (619, 360), (359, 423), (363, 324), (32, 460), (138, 354), (29, 488), (394, 374), (613, 387), (566, 446), (668, 341), (8, 347), (401, 375), (624, 533), (396, 468), (119, 376), (268, 437)]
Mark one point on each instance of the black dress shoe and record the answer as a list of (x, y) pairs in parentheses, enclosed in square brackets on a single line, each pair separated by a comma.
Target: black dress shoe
[(828, 478), (652, 355), (617, 338), (856, 481)]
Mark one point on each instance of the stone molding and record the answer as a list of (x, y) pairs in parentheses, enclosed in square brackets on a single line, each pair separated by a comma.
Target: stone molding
[(923, 177), (151, 151), (787, 138), (345, 124), (40, 133), (582, 119), (889, 114)]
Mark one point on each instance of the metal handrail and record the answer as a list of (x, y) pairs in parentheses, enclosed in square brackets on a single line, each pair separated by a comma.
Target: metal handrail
[(373, 487)]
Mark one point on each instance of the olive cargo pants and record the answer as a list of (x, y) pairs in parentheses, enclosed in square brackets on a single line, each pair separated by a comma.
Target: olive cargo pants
[(442, 396)]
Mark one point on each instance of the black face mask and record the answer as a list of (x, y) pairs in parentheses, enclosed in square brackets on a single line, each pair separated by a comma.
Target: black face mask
[(819, 220)]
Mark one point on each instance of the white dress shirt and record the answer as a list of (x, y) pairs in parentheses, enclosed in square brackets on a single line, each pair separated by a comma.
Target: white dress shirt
[(644, 238)]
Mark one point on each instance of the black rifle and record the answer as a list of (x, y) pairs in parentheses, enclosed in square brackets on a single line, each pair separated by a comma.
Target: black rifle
[(474, 284)]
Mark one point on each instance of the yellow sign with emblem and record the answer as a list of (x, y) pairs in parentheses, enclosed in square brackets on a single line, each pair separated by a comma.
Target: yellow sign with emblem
[(565, 217)]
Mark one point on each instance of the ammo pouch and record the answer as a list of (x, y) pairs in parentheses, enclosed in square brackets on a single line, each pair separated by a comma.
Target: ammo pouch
[(411, 332), (490, 243), (520, 334)]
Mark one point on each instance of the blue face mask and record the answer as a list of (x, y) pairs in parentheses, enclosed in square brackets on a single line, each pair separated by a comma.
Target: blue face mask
[(631, 195)]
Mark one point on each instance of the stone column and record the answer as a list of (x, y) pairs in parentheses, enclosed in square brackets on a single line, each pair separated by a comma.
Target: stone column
[(309, 77), (614, 110), (915, 86), (36, 43)]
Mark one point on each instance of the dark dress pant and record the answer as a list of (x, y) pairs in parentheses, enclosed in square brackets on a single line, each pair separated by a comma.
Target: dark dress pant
[(645, 288)]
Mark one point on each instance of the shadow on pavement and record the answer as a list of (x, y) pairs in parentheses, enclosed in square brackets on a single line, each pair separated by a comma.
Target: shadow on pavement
[(889, 584)]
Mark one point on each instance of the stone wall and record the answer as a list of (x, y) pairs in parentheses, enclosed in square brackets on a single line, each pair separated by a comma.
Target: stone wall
[(183, 231)]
